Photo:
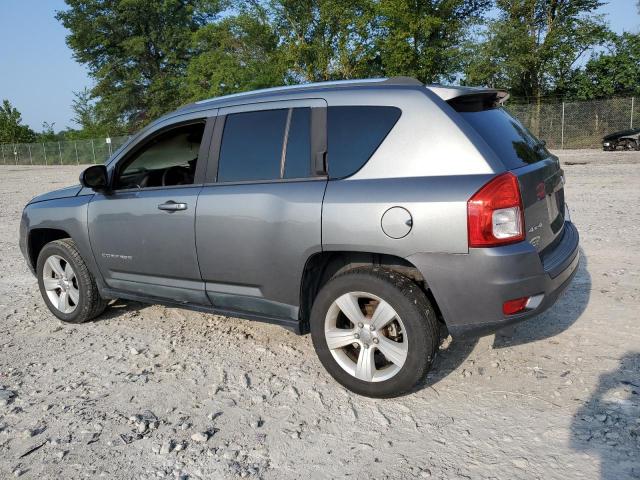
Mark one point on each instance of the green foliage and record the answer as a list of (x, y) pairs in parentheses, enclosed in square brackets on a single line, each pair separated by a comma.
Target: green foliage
[(87, 114), (423, 39), (614, 72), (148, 57), (326, 39), (11, 128), (48, 133), (333, 39), (137, 52), (236, 54), (533, 47)]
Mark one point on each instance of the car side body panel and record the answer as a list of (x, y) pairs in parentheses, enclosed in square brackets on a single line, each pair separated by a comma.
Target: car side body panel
[(354, 208), (253, 242), (142, 249)]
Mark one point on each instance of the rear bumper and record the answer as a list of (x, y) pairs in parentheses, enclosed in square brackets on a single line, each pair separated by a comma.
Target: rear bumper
[(470, 289)]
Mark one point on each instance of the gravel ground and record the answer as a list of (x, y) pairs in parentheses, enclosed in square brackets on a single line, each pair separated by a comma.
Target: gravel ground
[(155, 392)]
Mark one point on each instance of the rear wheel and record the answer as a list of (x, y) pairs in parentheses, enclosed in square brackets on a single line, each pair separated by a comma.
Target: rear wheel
[(374, 331), (66, 285)]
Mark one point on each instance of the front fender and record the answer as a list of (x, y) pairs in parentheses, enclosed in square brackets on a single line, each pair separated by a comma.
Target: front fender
[(67, 214)]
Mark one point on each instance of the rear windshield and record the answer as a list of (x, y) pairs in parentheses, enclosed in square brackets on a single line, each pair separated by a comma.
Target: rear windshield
[(511, 141)]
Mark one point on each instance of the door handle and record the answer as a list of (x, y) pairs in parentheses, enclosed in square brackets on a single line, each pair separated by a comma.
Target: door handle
[(172, 206)]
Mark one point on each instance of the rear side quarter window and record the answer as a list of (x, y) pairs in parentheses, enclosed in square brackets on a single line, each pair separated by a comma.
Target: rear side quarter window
[(354, 133)]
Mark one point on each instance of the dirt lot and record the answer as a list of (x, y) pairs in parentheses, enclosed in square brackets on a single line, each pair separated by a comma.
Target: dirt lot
[(154, 392)]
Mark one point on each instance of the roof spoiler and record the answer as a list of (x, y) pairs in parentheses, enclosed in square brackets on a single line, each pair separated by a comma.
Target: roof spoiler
[(476, 102)]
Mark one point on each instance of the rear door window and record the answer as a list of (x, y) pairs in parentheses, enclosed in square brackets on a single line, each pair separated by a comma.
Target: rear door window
[(354, 133), (252, 146), (507, 137), (266, 145)]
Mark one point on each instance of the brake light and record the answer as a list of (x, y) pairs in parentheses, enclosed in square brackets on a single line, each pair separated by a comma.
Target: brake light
[(495, 213)]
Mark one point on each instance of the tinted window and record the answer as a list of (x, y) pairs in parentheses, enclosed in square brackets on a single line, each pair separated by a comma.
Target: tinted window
[(252, 146), (168, 159), (298, 158), (511, 141), (354, 133)]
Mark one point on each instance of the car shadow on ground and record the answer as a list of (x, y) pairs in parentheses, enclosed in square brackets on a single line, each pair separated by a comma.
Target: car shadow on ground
[(117, 308), (607, 424), (569, 307)]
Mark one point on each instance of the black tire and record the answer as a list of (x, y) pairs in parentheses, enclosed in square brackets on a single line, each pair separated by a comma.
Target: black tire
[(90, 303), (412, 306)]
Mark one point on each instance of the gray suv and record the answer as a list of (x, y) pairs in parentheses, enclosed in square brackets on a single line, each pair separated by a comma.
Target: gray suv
[(372, 213)]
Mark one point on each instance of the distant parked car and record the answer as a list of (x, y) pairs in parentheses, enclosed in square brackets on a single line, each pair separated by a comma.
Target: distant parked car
[(369, 213), (625, 139)]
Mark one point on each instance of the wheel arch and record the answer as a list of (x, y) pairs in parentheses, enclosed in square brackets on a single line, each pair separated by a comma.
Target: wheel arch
[(323, 266), (39, 237)]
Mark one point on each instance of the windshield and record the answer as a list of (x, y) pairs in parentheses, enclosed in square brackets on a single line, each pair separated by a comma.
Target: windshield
[(511, 140)]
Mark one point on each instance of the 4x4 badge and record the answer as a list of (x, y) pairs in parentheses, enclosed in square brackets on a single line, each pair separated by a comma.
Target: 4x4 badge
[(535, 227)]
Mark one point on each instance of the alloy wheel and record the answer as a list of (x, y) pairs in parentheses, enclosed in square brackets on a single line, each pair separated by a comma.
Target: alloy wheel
[(366, 336), (61, 284)]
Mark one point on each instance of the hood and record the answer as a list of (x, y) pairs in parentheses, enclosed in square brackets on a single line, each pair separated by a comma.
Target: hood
[(622, 133), (55, 194)]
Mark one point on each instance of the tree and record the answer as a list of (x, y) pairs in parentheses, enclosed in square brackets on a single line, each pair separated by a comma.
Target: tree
[(84, 110), (613, 72), (326, 39), (48, 133), (88, 116), (237, 54), (533, 47), (136, 50), (334, 39), (422, 39), (11, 128)]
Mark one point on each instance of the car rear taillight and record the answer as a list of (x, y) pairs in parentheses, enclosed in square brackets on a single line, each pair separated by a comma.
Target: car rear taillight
[(495, 213)]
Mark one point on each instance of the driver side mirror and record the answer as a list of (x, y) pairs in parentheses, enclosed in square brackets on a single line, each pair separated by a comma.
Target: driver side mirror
[(95, 178)]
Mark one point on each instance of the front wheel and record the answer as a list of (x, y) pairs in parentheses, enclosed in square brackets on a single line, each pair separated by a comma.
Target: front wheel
[(374, 331), (66, 284)]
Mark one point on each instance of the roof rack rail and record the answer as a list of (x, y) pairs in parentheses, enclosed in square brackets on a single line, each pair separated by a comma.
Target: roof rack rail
[(337, 83), (403, 81)]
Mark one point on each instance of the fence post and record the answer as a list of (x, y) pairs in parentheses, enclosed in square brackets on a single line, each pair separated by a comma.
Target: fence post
[(76, 145), (30, 157), (562, 129), (632, 102), (60, 152), (15, 153), (93, 151), (44, 150), (3, 159)]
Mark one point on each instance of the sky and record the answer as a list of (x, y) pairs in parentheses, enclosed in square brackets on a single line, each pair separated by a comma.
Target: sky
[(38, 74)]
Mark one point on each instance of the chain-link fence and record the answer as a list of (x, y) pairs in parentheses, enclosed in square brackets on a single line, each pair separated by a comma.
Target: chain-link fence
[(561, 125), (578, 124), (70, 152)]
